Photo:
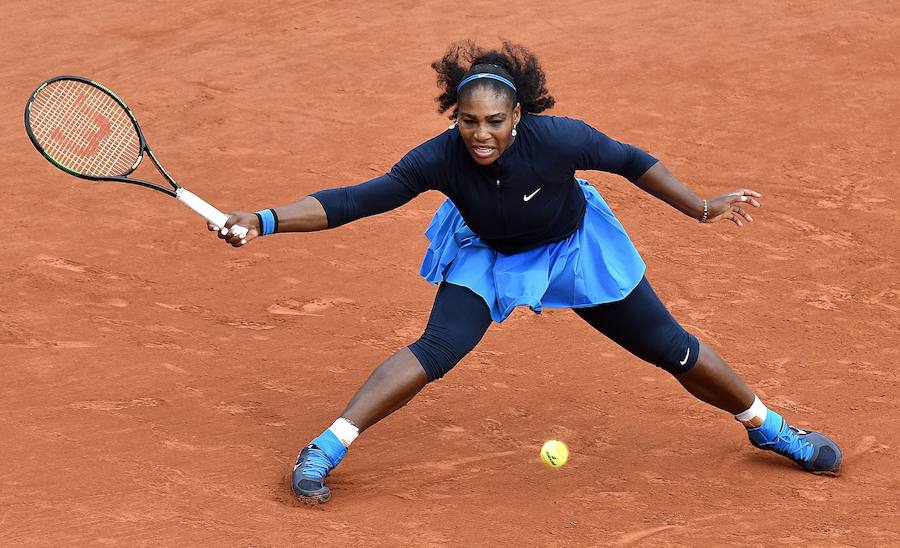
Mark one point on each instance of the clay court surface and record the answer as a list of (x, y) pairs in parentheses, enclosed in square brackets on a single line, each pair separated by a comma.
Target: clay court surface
[(157, 385)]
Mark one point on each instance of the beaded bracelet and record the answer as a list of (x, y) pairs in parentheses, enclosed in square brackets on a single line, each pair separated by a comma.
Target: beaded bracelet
[(268, 222), (705, 211)]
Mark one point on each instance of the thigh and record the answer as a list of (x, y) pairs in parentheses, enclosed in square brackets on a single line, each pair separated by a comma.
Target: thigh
[(459, 319), (641, 324), (459, 311)]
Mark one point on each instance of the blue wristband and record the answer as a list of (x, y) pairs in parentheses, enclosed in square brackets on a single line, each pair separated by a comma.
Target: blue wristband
[(268, 222)]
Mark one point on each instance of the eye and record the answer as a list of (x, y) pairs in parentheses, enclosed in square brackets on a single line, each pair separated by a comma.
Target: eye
[(496, 123)]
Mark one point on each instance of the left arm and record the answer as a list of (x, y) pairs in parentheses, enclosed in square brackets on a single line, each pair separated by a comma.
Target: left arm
[(661, 183), (592, 149)]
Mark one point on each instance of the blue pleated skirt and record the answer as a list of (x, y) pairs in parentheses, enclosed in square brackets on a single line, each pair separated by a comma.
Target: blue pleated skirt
[(595, 264)]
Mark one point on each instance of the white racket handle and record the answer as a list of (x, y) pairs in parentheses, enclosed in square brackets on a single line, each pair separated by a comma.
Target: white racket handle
[(207, 211)]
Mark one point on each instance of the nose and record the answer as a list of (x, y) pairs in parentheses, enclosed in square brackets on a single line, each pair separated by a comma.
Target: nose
[(481, 133)]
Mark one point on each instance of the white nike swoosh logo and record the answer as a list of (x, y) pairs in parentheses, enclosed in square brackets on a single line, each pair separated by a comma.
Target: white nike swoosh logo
[(684, 361), (530, 196)]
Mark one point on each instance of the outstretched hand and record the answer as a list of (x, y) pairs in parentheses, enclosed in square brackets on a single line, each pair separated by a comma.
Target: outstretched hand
[(730, 207), (247, 220)]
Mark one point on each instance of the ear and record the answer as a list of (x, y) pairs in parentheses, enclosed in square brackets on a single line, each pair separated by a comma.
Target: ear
[(517, 114)]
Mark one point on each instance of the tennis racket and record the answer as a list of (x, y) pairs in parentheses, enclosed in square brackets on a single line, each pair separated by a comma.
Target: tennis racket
[(85, 130)]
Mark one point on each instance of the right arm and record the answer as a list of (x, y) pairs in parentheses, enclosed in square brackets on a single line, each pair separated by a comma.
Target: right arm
[(306, 215), (325, 209), (418, 171)]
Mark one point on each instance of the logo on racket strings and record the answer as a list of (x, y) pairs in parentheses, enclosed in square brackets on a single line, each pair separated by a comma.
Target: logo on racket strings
[(91, 140)]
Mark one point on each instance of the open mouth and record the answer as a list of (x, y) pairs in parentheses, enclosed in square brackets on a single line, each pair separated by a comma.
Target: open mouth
[(482, 151)]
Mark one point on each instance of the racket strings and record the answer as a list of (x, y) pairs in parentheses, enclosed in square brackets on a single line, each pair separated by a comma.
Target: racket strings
[(84, 129)]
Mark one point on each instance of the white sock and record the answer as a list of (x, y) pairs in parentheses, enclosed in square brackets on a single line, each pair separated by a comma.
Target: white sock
[(344, 430), (756, 411)]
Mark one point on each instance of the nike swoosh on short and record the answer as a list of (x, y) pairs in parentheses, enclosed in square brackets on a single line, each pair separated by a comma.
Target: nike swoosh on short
[(530, 196), (684, 361)]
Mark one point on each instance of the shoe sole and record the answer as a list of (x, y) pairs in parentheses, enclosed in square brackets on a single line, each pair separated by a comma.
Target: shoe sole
[(828, 473), (314, 501), (314, 498)]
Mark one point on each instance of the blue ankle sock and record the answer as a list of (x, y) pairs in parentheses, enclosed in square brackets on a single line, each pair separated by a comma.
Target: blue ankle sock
[(768, 430), (331, 446)]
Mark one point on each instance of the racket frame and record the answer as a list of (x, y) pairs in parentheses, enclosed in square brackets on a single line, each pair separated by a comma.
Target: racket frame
[(177, 191), (142, 149)]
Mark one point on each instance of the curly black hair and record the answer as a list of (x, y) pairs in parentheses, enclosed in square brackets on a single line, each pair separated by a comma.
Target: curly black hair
[(512, 61)]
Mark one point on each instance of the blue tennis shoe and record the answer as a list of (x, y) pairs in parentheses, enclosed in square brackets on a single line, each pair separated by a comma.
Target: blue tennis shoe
[(813, 451), (314, 463)]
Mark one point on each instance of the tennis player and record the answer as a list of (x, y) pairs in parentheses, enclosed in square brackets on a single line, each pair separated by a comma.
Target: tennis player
[(519, 229)]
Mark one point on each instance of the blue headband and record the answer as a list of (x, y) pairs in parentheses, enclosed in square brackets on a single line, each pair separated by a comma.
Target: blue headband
[(485, 75)]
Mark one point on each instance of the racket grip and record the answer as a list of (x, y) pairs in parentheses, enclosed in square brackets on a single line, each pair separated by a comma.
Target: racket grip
[(206, 210)]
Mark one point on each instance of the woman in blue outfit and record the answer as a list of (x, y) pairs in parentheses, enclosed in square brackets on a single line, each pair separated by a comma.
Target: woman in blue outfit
[(519, 228)]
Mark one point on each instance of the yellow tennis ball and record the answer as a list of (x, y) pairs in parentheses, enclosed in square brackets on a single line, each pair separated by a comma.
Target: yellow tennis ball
[(554, 453)]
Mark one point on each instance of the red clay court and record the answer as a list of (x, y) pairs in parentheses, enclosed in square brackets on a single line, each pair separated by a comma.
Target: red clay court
[(157, 385)]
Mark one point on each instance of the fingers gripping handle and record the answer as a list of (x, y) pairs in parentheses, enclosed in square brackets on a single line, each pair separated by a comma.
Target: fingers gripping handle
[(209, 212)]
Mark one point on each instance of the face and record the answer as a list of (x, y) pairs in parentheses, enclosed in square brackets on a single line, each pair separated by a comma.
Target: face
[(485, 120)]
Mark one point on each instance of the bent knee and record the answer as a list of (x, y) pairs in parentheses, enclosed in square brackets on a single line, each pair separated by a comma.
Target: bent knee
[(676, 352), (438, 353)]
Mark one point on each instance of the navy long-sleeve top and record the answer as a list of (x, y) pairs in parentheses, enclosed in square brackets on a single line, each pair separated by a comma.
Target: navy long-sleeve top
[(528, 197)]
